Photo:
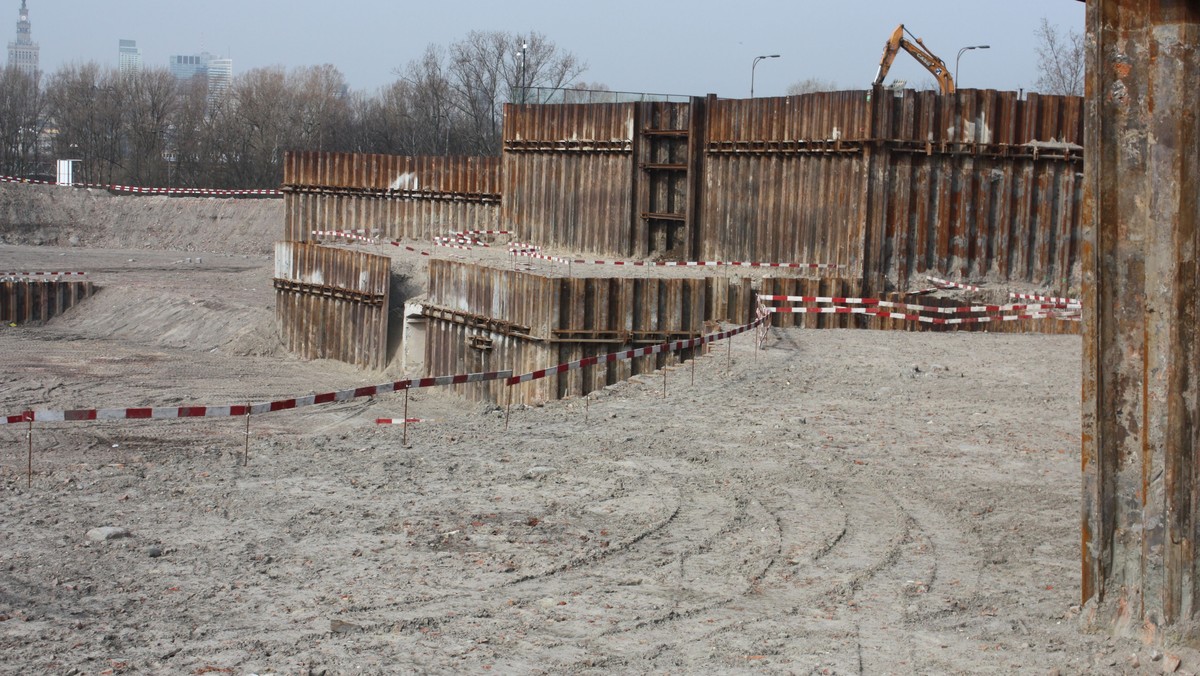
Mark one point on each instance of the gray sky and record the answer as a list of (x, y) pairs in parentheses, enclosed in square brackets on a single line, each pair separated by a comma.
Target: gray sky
[(695, 47)]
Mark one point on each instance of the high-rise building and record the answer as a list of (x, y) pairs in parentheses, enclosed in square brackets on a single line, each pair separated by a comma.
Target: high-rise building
[(23, 52), (188, 66), (130, 56), (220, 77)]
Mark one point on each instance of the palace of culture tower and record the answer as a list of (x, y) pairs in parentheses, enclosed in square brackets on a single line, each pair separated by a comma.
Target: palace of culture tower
[(23, 52)]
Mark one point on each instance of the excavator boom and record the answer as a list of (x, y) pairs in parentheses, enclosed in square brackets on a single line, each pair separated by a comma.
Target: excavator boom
[(918, 51)]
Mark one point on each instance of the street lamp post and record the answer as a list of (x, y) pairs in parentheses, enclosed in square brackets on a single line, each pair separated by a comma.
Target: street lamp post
[(960, 53), (755, 65), (521, 84)]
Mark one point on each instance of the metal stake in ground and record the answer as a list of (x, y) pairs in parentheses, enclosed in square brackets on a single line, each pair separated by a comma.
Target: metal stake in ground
[(246, 450), (508, 407), (404, 440), (728, 355), (29, 439)]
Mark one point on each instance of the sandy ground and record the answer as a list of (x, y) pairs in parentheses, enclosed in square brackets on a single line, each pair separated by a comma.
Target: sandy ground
[(840, 502)]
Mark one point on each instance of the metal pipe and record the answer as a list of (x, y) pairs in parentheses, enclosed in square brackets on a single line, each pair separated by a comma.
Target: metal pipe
[(960, 53), (755, 65)]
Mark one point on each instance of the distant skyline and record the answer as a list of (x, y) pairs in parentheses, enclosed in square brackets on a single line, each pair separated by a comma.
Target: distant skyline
[(673, 47)]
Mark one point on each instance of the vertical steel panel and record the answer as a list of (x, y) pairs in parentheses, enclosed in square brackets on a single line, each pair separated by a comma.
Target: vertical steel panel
[(332, 303), (1141, 361), (392, 197), (23, 301)]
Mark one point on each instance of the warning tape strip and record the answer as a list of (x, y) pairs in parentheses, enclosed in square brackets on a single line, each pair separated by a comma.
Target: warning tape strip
[(672, 346), (402, 421), (343, 234), (533, 251), (202, 192), (919, 308), (917, 318), (409, 248), (1070, 302), (43, 274), (170, 412)]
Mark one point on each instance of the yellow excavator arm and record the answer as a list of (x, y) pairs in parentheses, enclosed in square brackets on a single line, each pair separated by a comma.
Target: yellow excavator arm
[(920, 52)]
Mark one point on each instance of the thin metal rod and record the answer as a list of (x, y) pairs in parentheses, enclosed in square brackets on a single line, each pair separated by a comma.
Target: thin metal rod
[(29, 438), (664, 382), (508, 407), (587, 406), (404, 439), (246, 451), (728, 355), (694, 358)]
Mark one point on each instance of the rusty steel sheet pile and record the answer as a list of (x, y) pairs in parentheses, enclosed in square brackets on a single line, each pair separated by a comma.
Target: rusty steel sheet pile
[(388, 196), (332, 303), (877, 187), (1141, 356), (490, 318), (569, 175), (980, 184), (23, 301)]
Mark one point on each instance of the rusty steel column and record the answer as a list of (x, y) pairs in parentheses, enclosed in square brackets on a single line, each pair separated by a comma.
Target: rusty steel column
[(1140, 352)]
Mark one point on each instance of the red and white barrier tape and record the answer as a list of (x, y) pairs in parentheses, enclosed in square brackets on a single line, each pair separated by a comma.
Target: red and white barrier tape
[(451, 246), (918, 308), (170, 412), (43, 274), (345, 234), (672, 346), (532, 251), (1070, 302), (402, 421), (194, 192), (409, 248), (916, 318)]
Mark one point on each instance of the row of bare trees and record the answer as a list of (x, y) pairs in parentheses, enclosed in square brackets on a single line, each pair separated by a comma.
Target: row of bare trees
[(150, 129)]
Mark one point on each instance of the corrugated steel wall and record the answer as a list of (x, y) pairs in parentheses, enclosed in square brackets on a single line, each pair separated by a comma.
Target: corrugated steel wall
[(981, 184), (332, 303), (23, 301), (389, 196), (482, 318), (569, 176)]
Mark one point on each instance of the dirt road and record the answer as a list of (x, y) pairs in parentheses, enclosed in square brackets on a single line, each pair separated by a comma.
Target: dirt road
[(840, 502)]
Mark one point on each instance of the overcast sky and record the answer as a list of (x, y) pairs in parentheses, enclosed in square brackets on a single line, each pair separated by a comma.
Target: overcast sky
[(676, 47)]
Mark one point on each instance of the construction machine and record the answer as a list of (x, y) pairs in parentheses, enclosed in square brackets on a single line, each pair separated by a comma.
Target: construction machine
[(920, 52)]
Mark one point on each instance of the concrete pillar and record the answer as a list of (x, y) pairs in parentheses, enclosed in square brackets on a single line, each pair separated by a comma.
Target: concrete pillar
[(1140, 351)]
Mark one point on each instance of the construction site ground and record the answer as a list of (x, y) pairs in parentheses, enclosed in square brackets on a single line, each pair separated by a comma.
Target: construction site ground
[(841, 502)]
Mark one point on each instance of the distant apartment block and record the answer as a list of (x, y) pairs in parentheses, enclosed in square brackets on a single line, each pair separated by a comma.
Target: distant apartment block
[(220, 77), (23, 52), (188, 66), (130, 56)]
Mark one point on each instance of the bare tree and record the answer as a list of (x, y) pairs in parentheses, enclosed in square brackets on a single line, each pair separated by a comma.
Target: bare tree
[(429, 102), (149, 129), (87, 104), (810, 85), (22, 118), (1060, 60), (384, 123), (458, 94), (153, 97)]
